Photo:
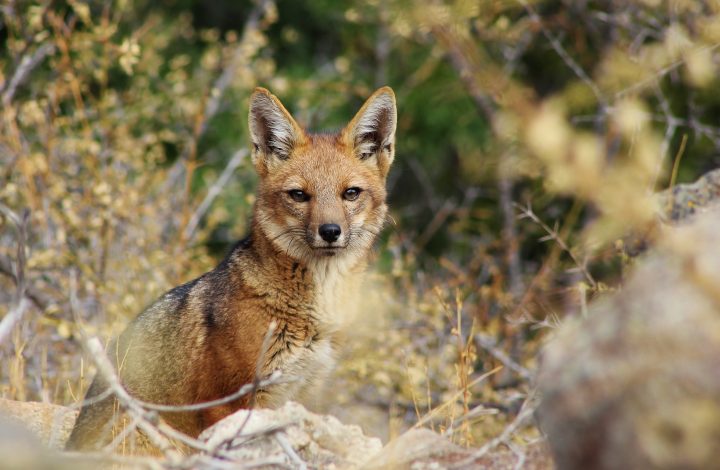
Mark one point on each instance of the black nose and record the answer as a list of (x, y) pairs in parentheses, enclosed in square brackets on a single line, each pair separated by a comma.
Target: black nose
[(329, 232)]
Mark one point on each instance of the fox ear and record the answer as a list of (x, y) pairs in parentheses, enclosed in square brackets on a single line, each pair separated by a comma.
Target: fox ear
[(273, 131), (372, 131)]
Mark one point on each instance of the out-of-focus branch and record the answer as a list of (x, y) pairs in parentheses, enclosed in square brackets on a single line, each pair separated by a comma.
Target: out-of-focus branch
[(40, 299), (262, 14), (12, 318), (22, 303), (660, 73), (509, 234), (480, 75), (488, 344), (144, 415), (564, 55), (553, 234), (134, 409), (240, 56), (27, 64), (213, 192), (521, 419)]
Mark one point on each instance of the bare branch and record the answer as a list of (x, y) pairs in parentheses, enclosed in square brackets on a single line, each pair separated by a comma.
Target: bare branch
[(258, 370), (27, 64), (252, 24), (41, 300), (128, 403), (16, 314), (213, 192), (552, 234), (526, 412), (274, 379), (660, 73), (489, 345), (564, 55), (12, 318), (290, 452)]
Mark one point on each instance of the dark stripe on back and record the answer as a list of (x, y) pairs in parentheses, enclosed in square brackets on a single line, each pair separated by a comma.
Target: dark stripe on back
[(208, 311)]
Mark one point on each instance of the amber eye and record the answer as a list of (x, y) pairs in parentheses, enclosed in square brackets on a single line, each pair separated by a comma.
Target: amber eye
[(298, 195), (351, 194)]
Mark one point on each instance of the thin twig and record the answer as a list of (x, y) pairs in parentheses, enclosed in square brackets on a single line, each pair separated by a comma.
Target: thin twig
[(489, 345), (13, 317), (519, 453), (667, 138), (258, 371), (182, 437), (27, 64), (239, 440), (526, 412), (213, 192), (552, 234), (120, 438), (273, 379), (134, 409), (41, 301), (290, 452), (509, 234), (252, 24), (564, 55), (661, 72), (431, 415)]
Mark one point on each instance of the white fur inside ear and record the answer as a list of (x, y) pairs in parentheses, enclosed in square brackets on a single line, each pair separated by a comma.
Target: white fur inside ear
[(375, 128), (270, 129)]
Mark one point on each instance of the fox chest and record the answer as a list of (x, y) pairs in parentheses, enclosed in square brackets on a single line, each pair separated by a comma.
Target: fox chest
[(302, 349), (304, 366)]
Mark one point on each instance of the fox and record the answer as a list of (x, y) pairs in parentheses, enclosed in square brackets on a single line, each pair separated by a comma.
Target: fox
[(274, 302)]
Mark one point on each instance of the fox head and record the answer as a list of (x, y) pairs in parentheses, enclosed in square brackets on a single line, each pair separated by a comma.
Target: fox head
[(322, 196)]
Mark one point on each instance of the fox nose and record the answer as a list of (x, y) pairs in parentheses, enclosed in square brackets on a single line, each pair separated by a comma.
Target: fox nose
[(329, 232)]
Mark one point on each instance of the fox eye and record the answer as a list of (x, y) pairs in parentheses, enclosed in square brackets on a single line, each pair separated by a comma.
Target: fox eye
[(366, 155), (351, 194), (298, 195)]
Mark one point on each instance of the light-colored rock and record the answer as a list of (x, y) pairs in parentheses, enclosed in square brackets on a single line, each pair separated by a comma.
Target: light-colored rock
[(320, 441), (50, 423), (676, 205), (636, 384), (416, 449), (423, 449)]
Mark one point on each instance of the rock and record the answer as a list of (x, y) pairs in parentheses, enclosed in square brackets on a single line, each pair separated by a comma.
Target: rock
[(320, 441), (636, 384), (50, 423), (684, 200), (19, 447), (418, 448), (675, 205), (422, 449), (32, 432)]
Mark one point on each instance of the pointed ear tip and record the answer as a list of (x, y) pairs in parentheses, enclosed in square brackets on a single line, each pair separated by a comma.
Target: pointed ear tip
[(386, 90), (260, 92)]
